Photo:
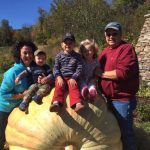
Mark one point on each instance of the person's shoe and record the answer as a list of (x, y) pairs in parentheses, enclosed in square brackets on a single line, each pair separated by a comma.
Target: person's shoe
[(55, 107), (37, 99), (92, 93), (85, 92), (79, 107), (23, 106)]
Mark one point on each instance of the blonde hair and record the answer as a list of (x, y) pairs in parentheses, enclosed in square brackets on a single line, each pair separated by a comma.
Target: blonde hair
[(86, 44)]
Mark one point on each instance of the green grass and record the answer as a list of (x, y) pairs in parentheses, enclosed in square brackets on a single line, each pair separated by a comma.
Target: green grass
[(142, 133), (144, 125)]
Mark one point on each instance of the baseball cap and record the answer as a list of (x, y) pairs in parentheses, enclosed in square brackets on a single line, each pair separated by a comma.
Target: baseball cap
[(113, 25), (39, 51), (69, 36)]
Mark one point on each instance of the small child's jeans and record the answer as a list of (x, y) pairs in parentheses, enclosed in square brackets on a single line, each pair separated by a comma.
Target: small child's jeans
[(38, 89)]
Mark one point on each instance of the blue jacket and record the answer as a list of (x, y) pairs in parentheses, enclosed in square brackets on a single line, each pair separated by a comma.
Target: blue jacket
[(8, 88)]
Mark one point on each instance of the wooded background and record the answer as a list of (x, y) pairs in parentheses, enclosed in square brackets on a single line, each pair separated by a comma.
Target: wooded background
[(85, 18)]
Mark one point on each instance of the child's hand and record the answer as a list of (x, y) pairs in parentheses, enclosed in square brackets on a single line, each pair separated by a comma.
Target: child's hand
[(44, 80), (72, 82), (60, 81), (40, 78), (17, 80)]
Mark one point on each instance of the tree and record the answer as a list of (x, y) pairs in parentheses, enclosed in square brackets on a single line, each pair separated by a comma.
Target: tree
[(131, 14), (84, 18), (5, 33), (22, 34)]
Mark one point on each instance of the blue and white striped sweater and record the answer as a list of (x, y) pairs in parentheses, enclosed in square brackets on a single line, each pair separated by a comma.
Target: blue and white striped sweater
[(68, 65)]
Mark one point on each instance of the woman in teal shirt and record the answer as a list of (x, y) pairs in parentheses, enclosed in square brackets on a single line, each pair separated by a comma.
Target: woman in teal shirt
[(11, 94)]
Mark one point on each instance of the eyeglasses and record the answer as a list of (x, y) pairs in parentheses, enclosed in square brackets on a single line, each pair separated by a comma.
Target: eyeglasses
[(112, 34)]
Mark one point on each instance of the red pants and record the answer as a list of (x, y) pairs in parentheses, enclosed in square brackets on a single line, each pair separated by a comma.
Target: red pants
[(59, 93)]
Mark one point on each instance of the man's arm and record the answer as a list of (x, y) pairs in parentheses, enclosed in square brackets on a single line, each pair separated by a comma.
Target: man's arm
[(109, 75)]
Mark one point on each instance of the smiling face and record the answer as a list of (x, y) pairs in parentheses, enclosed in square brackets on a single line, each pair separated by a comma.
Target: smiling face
[(67, 45), (88, 53), (40, 59), (26, 55), (113, 37)]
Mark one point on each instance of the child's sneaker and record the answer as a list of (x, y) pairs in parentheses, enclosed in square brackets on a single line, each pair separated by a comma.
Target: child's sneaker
[(79, 107), (84, 92), (55, 107), (23, 106), (93, 93), (37, 99)]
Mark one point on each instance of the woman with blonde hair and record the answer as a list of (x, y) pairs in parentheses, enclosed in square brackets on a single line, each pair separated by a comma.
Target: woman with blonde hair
[(91, 68)]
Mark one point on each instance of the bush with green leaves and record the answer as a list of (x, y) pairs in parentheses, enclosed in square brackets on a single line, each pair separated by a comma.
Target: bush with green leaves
[(144, 90), (143, 111), (5, 65), (1, 77), (50, 61)]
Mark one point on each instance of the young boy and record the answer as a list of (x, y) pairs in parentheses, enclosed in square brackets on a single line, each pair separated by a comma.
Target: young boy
[(67, 71), (41, 77)]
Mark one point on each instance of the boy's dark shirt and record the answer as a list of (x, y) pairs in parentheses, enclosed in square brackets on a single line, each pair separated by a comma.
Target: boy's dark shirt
[(34, 71)]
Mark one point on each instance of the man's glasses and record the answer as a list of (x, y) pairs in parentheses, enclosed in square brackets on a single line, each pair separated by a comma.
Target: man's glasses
[(112, 34)]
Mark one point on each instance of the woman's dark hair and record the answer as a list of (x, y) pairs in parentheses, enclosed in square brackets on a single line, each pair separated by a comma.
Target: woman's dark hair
[(17, 47)]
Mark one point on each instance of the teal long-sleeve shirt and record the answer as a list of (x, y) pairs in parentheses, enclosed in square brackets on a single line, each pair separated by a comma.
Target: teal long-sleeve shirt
[(8, 88)]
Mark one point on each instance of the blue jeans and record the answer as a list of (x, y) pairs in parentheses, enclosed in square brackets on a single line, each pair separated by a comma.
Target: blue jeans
[(124, 113), (3, 124)]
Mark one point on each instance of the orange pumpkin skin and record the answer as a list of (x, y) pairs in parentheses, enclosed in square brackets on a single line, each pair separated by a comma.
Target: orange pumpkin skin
[(95, 128)]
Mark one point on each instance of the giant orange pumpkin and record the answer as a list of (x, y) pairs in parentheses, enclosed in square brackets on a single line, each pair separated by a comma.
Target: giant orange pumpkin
[(95, 128)]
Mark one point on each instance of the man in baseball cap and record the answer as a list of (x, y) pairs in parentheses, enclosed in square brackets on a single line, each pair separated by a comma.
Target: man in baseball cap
[(120, 80), (114, 25)]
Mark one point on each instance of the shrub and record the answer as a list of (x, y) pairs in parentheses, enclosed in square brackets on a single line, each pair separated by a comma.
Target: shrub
[(1, 77), (143, 111), (50, 61), (5, 65), (144, 90)]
